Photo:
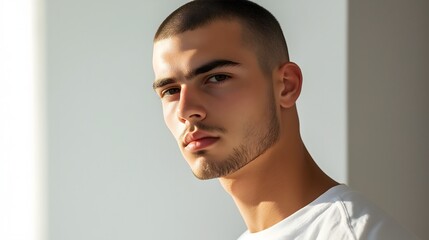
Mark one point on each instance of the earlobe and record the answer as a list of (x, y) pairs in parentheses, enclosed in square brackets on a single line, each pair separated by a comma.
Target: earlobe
[(290, 77)]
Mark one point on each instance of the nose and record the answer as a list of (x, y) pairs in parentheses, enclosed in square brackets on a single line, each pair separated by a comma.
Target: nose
[(191, 107)]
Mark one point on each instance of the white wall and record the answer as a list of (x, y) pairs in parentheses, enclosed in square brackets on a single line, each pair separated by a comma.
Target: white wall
[(114, 170), (21, 122), (389, 107), (316, 33), (22, 185)]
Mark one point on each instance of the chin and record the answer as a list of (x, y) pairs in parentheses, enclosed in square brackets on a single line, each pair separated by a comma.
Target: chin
[(201, 168), (207, 166), (202, 176)]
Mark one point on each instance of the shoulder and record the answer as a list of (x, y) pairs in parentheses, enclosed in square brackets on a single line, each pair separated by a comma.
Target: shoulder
[(364, 219), (339, 213)]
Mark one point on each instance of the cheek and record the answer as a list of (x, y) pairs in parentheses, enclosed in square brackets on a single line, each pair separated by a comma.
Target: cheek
[(240, 102), (170, 118), (247, 106)]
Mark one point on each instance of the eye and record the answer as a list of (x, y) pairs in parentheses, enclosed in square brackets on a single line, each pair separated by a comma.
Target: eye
[(218, 78), (170, 91)]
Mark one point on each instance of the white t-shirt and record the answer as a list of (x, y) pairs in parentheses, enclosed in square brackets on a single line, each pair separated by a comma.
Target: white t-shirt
[(338, 214)]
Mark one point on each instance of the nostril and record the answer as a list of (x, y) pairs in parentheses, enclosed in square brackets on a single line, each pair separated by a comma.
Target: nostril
[(190, 106), (195, 115), (192, 115)]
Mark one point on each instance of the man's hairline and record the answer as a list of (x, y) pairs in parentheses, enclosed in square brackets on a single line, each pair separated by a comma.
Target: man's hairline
[(245, 31)]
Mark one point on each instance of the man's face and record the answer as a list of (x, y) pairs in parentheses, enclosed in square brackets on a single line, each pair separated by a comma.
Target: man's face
[(216, 100)]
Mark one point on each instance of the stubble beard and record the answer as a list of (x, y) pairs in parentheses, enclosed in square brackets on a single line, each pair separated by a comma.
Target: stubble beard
[(258, 139)]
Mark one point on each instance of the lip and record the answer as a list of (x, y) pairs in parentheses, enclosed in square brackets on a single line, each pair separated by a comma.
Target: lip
[(198, 140)]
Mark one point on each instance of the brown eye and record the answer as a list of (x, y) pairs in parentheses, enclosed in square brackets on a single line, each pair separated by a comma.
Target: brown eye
[(170, 91), (218, 78)]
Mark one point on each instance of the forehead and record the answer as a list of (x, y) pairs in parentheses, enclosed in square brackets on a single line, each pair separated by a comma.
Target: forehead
[(217, 40)]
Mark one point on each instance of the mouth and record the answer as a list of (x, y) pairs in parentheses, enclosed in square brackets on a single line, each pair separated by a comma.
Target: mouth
[(198, 140), (200, 144)]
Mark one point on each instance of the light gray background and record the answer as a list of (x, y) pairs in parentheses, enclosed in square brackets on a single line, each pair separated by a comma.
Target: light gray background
[(388, 107), (114, 171)]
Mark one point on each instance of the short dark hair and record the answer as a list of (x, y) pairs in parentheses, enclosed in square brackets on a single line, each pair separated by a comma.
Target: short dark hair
[(260, 27)]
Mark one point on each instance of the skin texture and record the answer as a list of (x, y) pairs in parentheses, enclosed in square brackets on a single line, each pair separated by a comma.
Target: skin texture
[(234, 122), (233, 103)]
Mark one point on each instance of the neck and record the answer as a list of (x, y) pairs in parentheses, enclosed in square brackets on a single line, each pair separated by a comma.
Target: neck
[(276, 184)]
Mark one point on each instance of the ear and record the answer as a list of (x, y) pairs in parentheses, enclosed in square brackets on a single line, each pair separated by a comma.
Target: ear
[(289, 85)]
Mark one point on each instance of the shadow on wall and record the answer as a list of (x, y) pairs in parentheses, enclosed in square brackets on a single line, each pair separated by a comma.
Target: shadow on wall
[(388, 107)]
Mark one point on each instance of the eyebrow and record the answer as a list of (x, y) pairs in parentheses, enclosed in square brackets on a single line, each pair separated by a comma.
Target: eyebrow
[(197, 71), (162, 82)]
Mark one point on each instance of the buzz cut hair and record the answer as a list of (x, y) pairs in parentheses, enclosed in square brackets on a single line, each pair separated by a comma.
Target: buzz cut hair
[(260, 29)]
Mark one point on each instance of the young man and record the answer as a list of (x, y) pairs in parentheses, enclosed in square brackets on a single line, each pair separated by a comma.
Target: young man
[(228, 92)]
